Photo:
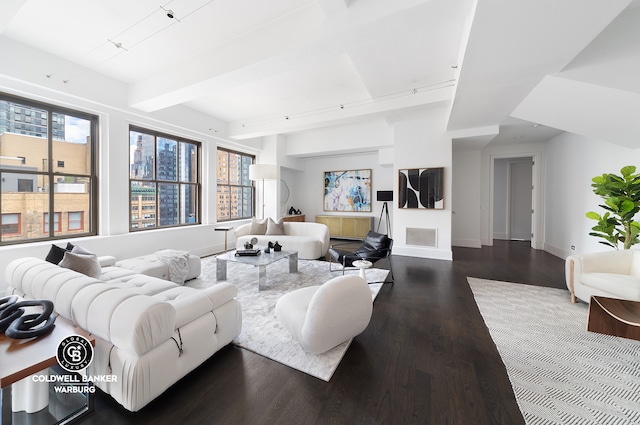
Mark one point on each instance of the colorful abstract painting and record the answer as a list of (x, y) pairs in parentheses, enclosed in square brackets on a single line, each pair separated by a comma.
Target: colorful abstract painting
[(420, 188), (347, 190)]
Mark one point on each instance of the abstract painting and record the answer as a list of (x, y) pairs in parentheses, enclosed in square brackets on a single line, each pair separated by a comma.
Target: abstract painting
[(420, 188), (347, 190)]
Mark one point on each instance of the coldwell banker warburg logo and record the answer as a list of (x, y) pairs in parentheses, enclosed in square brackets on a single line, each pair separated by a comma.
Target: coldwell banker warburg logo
[(74, 353)]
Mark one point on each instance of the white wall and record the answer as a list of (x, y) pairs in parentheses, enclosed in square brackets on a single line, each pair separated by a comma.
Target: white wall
[(421, 141), (465, 225), (309, 186), (94, 93), (572, 161), (501, 199)]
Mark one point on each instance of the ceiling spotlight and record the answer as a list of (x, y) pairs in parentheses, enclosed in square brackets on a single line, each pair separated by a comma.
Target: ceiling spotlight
[(118, 45), (286, 117), (414, 91), (535, 125), (170, 14), (341, 106)]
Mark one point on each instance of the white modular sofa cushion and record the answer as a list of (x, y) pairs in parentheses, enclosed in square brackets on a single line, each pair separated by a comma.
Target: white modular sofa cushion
[(613, 274), (152, 266), (149, 332), (311, 240)]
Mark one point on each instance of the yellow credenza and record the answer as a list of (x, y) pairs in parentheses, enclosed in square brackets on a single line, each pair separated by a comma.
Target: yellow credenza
[(345, 226)]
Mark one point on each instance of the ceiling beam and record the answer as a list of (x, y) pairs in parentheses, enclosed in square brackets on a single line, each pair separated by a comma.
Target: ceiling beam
[(247, 130), (513, 45)]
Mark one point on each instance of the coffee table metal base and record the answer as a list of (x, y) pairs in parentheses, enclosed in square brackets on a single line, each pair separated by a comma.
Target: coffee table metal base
[(260, 261)]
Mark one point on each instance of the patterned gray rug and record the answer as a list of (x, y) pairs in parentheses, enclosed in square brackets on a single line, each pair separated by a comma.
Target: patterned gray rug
[(560, 372), (261, 330)]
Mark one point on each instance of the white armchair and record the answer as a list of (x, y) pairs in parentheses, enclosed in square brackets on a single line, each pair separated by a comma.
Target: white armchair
[(322, 317), (613, 274)]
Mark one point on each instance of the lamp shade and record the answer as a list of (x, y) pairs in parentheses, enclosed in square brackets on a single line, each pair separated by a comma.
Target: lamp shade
[(385, 195), (263, 172)]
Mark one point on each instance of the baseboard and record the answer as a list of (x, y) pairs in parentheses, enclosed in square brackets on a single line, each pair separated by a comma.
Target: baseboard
[(420, 252), (558, 252), (467, 243)]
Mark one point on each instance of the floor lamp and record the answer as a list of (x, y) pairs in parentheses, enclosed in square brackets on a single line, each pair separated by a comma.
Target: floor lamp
[(263, 172), (385, 196)]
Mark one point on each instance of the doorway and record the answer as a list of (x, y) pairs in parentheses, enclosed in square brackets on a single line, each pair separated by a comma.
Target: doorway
[(513, 199)]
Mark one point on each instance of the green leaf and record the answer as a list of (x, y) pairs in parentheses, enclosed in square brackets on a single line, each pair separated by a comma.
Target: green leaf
[(593, 215), (628, 170)]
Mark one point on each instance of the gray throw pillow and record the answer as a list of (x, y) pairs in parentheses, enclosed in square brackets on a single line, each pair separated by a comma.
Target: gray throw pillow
[(82, 261), (275, 227)]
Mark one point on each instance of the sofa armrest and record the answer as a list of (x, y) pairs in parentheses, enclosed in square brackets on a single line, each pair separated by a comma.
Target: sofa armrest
[(242, 230), (107, 260), (619, 262), (220, 293)]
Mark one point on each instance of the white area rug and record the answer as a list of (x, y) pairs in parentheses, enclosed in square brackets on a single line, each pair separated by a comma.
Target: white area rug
[(560, 372), (261, 330)]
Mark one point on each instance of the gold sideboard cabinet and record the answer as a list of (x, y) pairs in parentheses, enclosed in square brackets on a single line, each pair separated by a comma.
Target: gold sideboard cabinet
[(346, 226)]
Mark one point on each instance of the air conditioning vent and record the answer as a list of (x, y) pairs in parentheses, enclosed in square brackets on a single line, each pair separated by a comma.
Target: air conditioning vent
[(422, 237)]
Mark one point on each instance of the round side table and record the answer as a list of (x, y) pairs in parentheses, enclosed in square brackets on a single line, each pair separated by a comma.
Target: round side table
[(362, 265)]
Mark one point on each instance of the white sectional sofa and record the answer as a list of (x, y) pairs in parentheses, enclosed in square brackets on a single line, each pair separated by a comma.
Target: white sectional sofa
[(311, 240), (149, 332), (613, 274)]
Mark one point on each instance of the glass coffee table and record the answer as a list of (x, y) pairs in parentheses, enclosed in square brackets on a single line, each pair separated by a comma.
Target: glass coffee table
[(260, 261)]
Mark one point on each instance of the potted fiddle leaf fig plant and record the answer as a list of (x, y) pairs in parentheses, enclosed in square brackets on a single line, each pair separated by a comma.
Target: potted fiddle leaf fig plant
[(621, 196)]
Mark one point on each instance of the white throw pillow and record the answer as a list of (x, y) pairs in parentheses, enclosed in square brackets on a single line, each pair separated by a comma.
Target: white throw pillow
[(275, 227), (82, 261), (258, 227)]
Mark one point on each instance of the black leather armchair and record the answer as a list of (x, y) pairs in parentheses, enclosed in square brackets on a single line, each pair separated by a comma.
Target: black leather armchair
[(375, 247)]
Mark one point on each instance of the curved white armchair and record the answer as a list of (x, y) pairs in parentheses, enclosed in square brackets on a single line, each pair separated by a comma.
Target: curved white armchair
[(613, 274), (322, 317)]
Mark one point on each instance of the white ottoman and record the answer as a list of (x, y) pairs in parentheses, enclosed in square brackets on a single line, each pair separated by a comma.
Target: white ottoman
[(150, 265)]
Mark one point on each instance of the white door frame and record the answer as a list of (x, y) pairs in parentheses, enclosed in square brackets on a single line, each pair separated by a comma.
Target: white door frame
[(537, 217)]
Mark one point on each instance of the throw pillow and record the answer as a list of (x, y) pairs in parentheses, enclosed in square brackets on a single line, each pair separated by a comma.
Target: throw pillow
[(275, 227), (82, 261), (258, 227), (55, 254)]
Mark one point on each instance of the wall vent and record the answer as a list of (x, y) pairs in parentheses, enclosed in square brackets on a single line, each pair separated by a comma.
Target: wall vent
[(422, 237)]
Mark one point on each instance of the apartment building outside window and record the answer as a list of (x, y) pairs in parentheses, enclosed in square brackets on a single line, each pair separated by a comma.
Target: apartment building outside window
[(35, 139), (235, 191), (164, 176)]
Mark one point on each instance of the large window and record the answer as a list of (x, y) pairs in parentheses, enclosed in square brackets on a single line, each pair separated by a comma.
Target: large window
[(48, 160), (235, 190), (164, 175)]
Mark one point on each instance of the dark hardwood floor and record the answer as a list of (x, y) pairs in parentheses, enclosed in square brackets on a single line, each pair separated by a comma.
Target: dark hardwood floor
[(426, 358)]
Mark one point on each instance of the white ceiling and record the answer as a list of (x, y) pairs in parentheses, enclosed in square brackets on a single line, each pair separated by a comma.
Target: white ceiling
[(278, 66)]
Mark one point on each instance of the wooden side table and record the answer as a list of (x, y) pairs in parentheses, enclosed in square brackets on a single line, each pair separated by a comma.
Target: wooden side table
[(614, 317)]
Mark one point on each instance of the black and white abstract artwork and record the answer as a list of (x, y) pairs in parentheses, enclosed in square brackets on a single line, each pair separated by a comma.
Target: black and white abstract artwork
[(421, 188)]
